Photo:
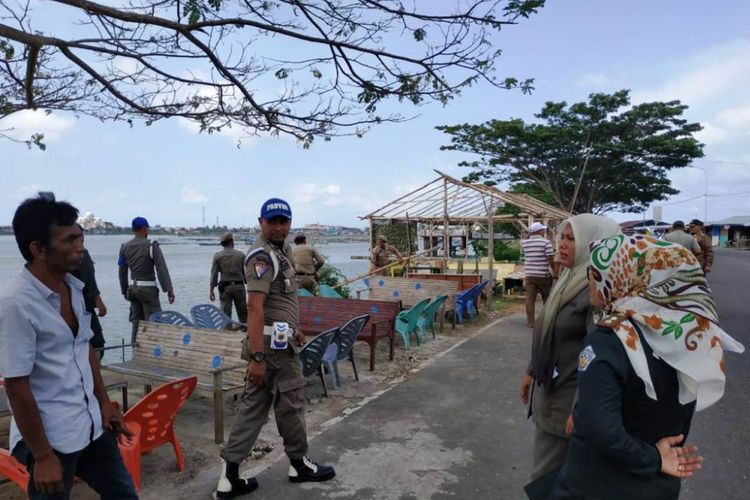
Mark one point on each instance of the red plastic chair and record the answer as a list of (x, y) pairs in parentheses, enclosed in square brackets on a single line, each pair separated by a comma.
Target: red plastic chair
[(13, 469), (155, 414)]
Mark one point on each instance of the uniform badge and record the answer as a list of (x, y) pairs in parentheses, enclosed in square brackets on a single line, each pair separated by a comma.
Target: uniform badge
[(585, 358), (261, 268)]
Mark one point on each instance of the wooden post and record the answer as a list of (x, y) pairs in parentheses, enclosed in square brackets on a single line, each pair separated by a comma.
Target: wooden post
[(490, 251), (408, 245), (446, 231)]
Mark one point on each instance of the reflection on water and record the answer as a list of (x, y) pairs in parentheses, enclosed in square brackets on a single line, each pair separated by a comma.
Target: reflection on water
[(189, 266)]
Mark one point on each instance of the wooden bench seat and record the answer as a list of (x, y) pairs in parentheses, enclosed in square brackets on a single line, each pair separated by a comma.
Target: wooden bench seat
[(170, 352), (465, 281), (318, 314)]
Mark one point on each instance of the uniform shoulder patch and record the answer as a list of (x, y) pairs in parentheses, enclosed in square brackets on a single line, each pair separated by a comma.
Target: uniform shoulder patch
[(261, 268), (585, 358)]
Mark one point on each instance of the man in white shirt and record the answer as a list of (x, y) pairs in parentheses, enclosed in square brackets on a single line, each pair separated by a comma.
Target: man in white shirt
[(538, 264), (64, 424)]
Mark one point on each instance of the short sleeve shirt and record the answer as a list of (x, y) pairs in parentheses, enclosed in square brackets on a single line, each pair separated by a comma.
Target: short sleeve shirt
[(36, 342), (263, 262), (536, 252)]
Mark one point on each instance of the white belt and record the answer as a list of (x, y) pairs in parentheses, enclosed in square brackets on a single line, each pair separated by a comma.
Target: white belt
[(144, 283), (268, 330)]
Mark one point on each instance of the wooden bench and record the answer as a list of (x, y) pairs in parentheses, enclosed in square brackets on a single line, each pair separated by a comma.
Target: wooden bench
[(411, 290), (465, 281), (318, 314), (514, 279), (169, 352)]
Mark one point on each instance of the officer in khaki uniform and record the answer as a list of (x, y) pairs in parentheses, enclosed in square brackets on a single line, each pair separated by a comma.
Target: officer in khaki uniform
[(142, 256), (307, 263), (273, 377), (379, 255), (706, 257), (230, 263)]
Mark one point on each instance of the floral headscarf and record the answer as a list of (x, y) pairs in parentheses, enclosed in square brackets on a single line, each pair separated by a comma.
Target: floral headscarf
[(660, 286)]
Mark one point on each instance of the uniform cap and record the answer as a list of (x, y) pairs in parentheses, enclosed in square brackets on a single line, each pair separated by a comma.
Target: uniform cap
[(299, 238), (382, 238), (696, 222), (226, 237), (537, 226), (138, 223), (678, 224), (275, 207)]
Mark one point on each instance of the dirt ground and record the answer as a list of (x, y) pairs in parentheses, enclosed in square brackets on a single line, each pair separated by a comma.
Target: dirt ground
[(194, 424)]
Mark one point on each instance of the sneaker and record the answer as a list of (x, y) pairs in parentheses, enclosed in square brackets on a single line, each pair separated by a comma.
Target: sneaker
[(231, 484), (308, 471)]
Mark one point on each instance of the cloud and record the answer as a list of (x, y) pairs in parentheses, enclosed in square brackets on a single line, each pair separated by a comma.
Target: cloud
[(730, 124), (592, 80), (191, 196), (708, 74), (23, 124), (310, 192)]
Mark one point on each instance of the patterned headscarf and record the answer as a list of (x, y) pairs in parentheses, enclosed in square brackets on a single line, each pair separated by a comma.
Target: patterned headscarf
[(660, 287)]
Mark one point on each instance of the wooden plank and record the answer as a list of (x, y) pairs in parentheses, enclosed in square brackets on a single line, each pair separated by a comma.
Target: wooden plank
[(465, 281), (410, 291)]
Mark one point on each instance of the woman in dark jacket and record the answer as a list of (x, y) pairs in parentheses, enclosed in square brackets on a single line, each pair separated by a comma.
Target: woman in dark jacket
[(656, 355)]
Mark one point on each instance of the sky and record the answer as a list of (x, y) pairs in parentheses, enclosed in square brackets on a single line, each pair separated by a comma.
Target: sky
[(692, 50)]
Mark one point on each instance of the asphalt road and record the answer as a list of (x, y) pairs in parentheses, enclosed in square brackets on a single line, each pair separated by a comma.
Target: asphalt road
[(722, 432)]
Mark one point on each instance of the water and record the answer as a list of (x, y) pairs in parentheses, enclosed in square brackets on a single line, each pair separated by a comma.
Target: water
[(189, 266)]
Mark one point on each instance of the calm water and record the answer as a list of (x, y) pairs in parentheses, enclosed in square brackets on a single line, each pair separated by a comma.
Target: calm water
[(189, 266)]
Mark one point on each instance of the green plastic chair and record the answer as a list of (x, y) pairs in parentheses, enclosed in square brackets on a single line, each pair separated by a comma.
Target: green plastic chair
[(427, 318), (406, 322), (330, 292), (304, 292)]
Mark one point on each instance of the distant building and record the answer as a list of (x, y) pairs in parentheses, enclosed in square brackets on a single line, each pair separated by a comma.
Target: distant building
[(733, 231)]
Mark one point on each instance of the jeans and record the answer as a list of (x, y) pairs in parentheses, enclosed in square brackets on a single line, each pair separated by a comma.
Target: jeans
[(99, 464)]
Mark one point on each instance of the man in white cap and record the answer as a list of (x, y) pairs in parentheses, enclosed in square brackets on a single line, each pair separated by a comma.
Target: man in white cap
[(538, 255)]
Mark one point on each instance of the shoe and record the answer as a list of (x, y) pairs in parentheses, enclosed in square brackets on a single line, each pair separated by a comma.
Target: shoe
[(308, 471), (231, 484)]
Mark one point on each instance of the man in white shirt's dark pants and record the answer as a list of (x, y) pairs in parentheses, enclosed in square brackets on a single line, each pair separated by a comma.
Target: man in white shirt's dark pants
[(64, 424), (538, 256)]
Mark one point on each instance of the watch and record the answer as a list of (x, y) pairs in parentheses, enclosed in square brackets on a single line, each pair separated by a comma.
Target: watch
[(259, 357)]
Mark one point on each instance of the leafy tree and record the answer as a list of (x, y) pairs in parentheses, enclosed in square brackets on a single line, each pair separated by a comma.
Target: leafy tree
[(332, 276), (222, 63), (615, 155)]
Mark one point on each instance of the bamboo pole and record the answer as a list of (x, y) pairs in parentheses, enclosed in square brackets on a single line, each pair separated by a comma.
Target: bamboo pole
[(370, 273)]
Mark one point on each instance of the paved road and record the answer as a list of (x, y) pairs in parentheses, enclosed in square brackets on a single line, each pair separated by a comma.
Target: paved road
[(722, 432)]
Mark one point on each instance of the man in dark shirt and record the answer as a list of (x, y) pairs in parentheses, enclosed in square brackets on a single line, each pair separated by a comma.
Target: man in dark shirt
[(92, 299)]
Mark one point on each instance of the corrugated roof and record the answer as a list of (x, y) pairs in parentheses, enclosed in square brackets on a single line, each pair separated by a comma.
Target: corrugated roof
[(735, 220)]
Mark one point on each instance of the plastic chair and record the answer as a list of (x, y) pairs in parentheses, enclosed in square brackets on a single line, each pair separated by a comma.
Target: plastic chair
[(211, 317), (340, 348), (406, 322), (329, 292), (170, 318), (311, 355), (155, 414), (471, 304), (13, 469), (427, 318), (304, 292)]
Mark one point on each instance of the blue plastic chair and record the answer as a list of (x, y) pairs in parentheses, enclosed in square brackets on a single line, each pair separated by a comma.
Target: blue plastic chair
[(329, 292), (340, 348), (304, 292), (471, 305), (406, 322), (427, 318), (210, 316), (170, 318), (311, 355), (461, 300)]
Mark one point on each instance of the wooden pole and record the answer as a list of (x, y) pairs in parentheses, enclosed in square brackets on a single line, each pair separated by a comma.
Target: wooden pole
[(408, 244), (446, 231), (490, 251), (377, 270)]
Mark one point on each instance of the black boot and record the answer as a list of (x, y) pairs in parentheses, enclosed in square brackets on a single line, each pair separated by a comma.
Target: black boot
[(231, 484), (305, 470)]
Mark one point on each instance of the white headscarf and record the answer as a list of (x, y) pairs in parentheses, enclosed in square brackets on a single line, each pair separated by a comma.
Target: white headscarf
[(660, 287)]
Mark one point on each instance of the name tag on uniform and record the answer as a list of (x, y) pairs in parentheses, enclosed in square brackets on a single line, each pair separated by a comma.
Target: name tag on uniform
[(280, 336)]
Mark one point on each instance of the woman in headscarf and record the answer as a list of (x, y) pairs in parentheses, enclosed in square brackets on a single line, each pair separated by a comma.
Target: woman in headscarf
[(551, 378), (656, 356)]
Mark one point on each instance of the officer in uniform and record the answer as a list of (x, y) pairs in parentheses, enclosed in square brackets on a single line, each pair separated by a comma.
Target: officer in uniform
[(706, 257), (142, 256), (273, 377), (230, 263), (379, 256), (307, 263), (92, 299)]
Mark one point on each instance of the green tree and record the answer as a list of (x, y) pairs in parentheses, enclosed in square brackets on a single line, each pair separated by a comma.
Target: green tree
[(332, 276), (615, 156), (219, 62)]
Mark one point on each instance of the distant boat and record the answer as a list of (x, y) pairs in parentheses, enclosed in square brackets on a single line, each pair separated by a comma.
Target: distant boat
[(250, 239)]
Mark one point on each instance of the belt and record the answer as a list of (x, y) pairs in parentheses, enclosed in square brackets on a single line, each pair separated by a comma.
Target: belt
[(305, 274), (229, 283), (268, 330), (143, 283)]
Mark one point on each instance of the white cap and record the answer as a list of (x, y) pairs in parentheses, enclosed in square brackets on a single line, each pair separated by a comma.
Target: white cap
[(537, 226)]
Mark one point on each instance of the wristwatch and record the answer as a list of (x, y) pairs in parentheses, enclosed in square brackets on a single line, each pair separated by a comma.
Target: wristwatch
[(259, 357)]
